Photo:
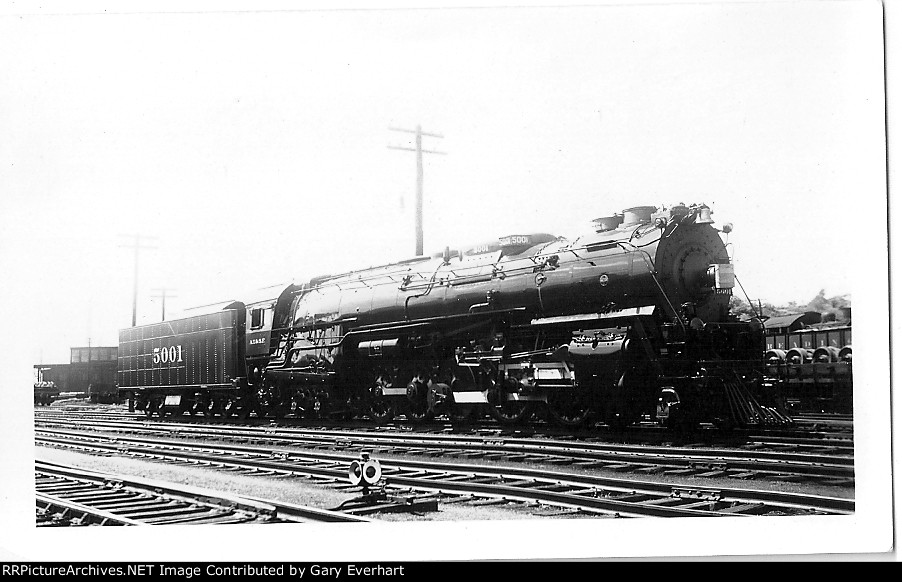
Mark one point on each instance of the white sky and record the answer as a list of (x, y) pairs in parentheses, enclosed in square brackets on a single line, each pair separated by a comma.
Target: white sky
[(253, 146)]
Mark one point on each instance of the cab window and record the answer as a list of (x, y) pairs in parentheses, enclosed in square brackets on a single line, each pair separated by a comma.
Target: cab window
[(257, 318)]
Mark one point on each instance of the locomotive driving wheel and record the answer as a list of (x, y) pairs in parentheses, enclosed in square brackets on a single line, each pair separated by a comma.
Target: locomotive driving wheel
[(503, 409), (508, 411), (417, 412), (381, 409), (569, 407), (417, 406)]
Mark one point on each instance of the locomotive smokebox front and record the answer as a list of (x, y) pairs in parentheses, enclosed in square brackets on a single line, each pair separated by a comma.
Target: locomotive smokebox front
[(693, 265)]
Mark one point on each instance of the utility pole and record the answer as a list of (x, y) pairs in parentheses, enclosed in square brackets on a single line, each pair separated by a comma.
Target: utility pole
[(137, 246), (419, 202), (163, 296)]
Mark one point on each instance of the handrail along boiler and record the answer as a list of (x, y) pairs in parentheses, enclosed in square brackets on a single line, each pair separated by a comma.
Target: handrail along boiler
[(629, 319)]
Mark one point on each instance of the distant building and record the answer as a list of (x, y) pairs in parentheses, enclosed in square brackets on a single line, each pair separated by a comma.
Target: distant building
[(782, 324)]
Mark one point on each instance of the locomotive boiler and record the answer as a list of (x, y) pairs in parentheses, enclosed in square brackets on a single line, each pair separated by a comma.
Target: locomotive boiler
[(628, 320)]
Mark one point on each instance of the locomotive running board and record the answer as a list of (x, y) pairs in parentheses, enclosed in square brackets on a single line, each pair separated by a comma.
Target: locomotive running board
[(620, 314)]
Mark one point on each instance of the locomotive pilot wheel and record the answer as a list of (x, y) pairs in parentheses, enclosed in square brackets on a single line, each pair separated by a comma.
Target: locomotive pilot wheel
[(381, 410)]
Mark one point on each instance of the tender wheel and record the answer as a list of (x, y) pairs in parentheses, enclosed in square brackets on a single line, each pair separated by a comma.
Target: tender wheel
[(569, 409), (230, 408), (213, 408), (154, 406), (198, 407)]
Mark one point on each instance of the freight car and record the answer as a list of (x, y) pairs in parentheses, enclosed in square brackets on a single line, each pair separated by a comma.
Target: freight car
[(90, 373), (45, 389), (629, 320), (813, 363)]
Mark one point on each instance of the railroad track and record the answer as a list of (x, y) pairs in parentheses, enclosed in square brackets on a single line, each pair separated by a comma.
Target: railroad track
[(781, 459), (572, 493), (69, 496), (827, 425), (811, 431)]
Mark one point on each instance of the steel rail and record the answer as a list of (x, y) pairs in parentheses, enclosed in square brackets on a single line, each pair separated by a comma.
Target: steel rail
[(399, 476), (52, 510), (399, 472), (641, 432), (841, 439), (273, 511), (807, 464), (780, 456)]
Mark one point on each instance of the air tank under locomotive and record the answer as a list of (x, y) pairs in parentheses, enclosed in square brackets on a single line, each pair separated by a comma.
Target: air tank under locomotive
[(628, 320)]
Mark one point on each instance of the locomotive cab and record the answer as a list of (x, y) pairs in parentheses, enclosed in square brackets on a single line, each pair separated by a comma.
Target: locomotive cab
[(259, 320)]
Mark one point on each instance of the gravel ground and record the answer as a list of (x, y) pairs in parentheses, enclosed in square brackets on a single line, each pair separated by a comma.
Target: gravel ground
[(306, 492), (299, 491), (687, 481)]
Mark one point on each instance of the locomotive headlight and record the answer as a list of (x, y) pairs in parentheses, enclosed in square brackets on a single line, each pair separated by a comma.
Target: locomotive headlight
[(722, 276)]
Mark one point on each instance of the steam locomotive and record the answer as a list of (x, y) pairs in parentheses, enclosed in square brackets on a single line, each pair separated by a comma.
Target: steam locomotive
[(626, 321)]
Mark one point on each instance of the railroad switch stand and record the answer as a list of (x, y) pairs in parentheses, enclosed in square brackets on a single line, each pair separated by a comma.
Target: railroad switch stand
[(367, 473)]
